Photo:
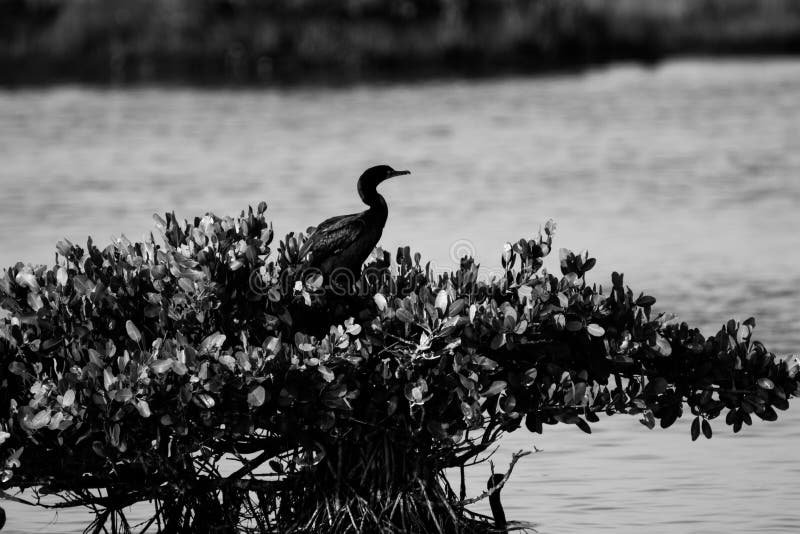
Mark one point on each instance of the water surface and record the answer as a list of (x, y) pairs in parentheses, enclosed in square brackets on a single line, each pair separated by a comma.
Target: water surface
[(685, 177)]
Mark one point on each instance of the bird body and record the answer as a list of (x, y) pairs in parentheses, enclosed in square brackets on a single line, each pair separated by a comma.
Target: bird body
[(344, 242)]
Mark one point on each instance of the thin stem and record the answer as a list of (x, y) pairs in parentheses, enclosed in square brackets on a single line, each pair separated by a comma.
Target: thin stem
[(497, 487)]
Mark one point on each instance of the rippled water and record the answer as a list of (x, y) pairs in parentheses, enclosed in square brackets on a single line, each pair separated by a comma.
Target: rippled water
[(686, 177)]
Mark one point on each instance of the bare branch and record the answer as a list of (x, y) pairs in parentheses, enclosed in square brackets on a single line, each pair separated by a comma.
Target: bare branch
[(514, 459)]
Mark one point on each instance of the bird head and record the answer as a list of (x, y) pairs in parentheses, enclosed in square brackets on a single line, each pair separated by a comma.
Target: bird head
[(381, 173), (371, 178), (495, 480)]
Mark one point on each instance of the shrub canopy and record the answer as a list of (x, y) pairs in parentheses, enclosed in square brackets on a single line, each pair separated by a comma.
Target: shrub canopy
[(130, 373)]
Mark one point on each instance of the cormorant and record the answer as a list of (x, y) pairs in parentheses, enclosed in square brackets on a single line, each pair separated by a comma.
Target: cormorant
[(494, 500), (342, 244)]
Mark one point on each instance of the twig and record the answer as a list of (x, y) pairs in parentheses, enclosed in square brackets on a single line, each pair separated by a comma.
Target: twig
[(250, 465), (393, 345), (430, 507), (6, 496), (514, 459)]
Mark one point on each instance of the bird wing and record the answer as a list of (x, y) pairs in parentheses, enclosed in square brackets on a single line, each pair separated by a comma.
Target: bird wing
[(333, 235)]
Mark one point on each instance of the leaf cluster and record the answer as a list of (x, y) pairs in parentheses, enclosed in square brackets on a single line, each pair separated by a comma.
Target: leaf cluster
[(138, 367)]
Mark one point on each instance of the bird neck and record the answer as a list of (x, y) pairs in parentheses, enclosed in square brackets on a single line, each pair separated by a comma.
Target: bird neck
[(494, 500), (368, 192), (497, 510)]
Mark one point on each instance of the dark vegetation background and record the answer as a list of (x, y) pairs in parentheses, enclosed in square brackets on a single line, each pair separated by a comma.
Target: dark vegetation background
[(331, 41)]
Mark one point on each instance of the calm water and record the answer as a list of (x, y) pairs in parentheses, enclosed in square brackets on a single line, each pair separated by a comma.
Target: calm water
[(686, 177)]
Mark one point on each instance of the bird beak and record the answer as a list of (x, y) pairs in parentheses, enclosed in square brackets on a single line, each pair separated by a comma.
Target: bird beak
[(397, 173)]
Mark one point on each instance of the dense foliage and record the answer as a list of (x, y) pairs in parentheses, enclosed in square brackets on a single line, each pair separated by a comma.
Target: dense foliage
[(142, 371)]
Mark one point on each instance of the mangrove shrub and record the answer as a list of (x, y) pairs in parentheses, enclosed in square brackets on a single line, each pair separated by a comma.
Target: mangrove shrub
[(232, 388)]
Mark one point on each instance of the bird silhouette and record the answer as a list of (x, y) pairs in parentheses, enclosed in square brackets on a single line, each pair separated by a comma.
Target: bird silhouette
[(494, 500), (2, 518), (340, 245)]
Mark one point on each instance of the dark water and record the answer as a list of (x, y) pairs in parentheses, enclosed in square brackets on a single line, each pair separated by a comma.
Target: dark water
[(685, 177)]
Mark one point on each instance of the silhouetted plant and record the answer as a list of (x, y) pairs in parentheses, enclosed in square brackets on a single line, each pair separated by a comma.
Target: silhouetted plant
[(135, 372)]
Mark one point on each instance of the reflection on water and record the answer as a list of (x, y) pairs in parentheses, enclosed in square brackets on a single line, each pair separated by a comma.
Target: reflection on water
[(684, 177)]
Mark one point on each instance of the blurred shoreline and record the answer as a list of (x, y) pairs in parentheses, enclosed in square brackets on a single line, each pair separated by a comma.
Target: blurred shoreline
[(284, 42)]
